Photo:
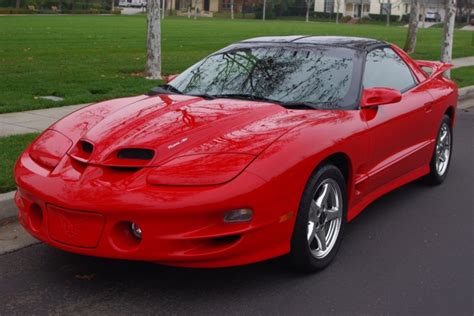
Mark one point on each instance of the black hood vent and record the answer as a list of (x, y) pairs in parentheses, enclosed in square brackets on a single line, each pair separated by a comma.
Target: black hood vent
[(135, 153), (87, 147)]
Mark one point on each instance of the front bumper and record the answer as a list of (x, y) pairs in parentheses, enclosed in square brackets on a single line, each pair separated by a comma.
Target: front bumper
[(180, 226)]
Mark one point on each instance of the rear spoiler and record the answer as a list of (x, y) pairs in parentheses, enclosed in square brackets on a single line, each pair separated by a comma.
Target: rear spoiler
[(437, 67)]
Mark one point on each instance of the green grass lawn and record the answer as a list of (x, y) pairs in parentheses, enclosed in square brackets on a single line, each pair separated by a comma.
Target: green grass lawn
[(10, 149), (89, 58), (463, 76)]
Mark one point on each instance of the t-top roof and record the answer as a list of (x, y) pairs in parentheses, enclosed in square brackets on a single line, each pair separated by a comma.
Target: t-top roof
[(346, 41)]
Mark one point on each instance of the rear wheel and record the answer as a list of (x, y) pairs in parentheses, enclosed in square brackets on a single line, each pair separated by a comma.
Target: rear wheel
[(441, 158), (321, 220)]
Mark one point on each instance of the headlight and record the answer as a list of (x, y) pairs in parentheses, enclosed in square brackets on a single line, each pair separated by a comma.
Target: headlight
[(200, 169), (49, 148)]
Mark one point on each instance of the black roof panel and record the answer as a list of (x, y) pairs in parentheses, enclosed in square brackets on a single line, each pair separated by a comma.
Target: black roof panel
[(346, 41)]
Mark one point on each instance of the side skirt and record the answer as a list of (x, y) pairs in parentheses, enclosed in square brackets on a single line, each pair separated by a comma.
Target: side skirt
[(413, 175)]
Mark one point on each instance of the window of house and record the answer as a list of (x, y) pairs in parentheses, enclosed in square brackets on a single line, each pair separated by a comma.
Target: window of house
[(385, 7), (384, 68), (329, 6)]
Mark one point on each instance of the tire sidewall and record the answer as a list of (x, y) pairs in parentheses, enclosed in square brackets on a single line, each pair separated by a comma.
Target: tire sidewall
[(437, 178), (300, 254)]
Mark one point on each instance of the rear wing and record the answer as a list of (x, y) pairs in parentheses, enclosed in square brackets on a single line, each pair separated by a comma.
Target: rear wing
[(436, 68)]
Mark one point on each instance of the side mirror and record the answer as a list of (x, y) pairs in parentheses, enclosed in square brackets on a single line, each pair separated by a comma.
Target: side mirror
[(170, 78), (378, 96)]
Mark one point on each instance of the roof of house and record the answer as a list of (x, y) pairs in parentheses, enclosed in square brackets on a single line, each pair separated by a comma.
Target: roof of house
[(346, 41)]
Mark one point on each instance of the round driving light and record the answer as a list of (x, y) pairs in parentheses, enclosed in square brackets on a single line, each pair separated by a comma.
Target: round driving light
[(237, 216), (136, 230)]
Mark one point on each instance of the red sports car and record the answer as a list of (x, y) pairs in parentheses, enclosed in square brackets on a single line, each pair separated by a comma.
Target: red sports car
[(265, 148)]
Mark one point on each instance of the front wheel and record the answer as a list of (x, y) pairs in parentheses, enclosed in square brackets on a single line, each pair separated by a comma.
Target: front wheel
[(321, 220), (441, 158)]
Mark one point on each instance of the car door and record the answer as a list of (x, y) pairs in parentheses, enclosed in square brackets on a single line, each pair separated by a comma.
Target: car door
[(399, 132)]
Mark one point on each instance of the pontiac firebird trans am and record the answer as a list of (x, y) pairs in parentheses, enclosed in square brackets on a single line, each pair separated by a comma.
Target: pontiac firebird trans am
[(265, 148)]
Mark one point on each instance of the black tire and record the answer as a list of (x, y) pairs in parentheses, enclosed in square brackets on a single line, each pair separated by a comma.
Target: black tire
[(301, 256), (435, 177)]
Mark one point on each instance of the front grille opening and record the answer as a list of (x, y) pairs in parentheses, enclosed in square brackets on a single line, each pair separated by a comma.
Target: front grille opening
[(87, 147), (226, 239), (135, 153)]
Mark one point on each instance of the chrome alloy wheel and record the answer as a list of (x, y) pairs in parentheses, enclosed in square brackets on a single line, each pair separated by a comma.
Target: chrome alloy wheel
[(325, 217), (443, 149)]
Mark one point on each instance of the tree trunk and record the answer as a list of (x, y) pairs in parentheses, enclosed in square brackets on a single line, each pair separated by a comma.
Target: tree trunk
[(163, 10), (410, 43), (389, 9), (423, 15), (195, 9), (189, 9), (448, 33), (113, 6), (338, 4), (153, 56), (264, 9), (18, 3), (307, 11), (232, 9)]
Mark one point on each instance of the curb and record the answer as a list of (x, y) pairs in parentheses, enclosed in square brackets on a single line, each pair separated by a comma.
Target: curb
[(7, 206), (466, 93)]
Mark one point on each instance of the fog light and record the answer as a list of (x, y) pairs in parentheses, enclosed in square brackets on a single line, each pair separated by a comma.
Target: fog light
[(240, 215), (136, 230)]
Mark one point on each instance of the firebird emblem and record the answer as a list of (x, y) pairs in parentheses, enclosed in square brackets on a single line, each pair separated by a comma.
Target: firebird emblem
[(171, 146)]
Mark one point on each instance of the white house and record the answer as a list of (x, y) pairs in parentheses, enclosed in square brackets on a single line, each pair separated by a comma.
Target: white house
[(362, 8)]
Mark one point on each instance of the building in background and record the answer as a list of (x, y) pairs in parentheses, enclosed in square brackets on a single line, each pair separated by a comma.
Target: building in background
[(364, 8)]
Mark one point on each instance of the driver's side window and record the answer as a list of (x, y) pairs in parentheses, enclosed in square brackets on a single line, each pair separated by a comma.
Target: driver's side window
[(384, 68)]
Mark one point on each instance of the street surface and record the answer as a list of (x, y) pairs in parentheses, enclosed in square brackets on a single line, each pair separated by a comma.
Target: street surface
[(410, 252)]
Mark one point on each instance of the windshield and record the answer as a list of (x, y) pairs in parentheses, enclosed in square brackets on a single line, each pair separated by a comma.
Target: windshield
[(321, 76)]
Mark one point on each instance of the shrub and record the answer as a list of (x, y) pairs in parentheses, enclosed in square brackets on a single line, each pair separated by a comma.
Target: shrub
[(15, 11), (269, 12), (383, 17), (345, 19), (325, 15)]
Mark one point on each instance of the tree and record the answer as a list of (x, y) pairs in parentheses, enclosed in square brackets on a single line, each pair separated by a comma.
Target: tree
[(410, 43), (153, 56), (163, 9), (448, 33), (387, 9), (113, 6), (338, 6), (309, 3), (196, 4), (18, 3), (232, 9), (264, 9)]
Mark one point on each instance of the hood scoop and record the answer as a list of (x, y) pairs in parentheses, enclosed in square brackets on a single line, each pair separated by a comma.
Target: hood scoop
[(129, 158), (120, 158)]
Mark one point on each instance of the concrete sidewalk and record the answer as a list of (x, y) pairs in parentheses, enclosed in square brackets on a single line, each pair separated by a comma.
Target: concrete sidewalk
[(463, 62), (33, 121)]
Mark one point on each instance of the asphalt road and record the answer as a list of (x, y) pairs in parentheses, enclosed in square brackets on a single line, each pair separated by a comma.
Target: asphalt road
[(411, 252)]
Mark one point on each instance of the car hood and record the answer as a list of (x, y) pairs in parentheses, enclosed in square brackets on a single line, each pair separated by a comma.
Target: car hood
[(175, 125)]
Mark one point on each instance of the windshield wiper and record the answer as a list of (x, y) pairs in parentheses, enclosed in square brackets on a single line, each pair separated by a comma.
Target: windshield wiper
[(204, 96), (246, 97), (164, 89)]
